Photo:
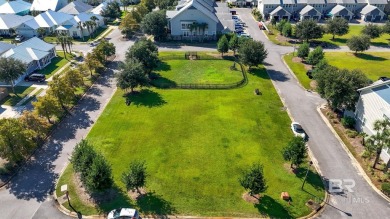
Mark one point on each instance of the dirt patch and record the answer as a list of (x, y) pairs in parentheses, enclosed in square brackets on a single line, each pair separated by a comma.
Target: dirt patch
[(282, 39), (296, 59), (313, 84), (251, 199), (287, 167), (135, 195)]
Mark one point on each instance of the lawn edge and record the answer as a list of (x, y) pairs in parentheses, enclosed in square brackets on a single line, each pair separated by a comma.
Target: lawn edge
[(350, 155)]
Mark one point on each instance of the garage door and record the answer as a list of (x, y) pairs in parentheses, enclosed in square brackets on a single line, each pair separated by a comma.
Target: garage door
[(347, 17), (377, 18), (368, 18)]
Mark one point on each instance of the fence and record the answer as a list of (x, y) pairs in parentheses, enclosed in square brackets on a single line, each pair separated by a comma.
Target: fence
[(240, 83), (201, 56)]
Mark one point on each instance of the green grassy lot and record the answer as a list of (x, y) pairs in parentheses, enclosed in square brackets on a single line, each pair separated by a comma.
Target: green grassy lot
[(299, 70), (371, 63), (197, 71), (196, 143), (13, 98), (273, 37), (384, 40), (56, 64)]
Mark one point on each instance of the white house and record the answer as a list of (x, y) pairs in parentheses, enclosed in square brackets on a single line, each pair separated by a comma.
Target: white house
[(98, 9), (49, 20), (72, 26), (18, 7), (76, 7), (11, 21), (373, 104), (35, 53), (371, 13), (44, 5), (341, 11)]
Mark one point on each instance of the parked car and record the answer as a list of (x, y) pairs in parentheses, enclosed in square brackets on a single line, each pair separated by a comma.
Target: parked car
[(35, 77), (298, 130), (123, 213), (19, 38), (245, 35), (94, 43)]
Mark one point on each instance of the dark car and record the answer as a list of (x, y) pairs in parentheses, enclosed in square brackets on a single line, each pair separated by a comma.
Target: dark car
[(35, 77)]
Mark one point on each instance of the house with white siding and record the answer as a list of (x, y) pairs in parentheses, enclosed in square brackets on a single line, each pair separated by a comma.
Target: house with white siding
[(44, 5), (72, 26), (35, 53), (196, 19), (11, 21), (373, 104), (76, 7)]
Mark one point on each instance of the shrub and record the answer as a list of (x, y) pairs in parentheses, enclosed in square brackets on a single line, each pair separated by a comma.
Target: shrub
[(303, 50), (280, 25), (386, 188), (366, 154), (287, 30), (315, 56), (352, 133), (348, 122), (99, 175)]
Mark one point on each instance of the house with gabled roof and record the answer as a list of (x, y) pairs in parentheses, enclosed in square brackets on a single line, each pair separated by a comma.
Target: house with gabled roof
[(371, 13), (18, 7), (373, 104), (199, 19), (76, 7), (44, 5), (35, 53), (309, 12), (49, 20), (72, 26), (11, 21)]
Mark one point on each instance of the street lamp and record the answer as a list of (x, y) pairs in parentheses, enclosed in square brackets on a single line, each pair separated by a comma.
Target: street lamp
[(307, 172)]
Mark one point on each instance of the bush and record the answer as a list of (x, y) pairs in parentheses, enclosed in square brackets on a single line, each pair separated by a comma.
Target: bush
[(386, 188), (280, 25), (366, 154), (348, 122), (287, 30), (303, 50), (315, 56), (352, 133)]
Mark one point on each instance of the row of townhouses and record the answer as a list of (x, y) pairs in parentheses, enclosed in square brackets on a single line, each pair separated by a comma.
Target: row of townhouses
[(367, 10)]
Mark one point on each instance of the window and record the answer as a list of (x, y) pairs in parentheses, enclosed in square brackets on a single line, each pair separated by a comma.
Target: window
[(185, 25), (186, 33)]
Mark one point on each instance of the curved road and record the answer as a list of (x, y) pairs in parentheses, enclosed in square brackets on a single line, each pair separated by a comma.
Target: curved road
[(28, 195)]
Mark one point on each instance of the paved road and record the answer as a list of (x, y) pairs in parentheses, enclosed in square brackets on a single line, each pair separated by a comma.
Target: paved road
[(333, 161)]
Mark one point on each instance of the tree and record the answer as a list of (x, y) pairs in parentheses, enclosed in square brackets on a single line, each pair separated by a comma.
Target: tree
[(92, 62), (94, 19), (372, 30), (234, 44), (16, 142), (135, 177), (380, 140), (139, 12), (80, 26), (146, 52), (339, 87), (273, 21), (280, 25), (131, 75), (295, 151), (386, 27), (303, 50), (35, 123), (287, 29), (47, 106), (252, 53), (61, 39), (82, 158), (74, 78), (315, 56), (41, 31), (308, 29), (253, 180), (223, 45), (99, 177), (164, 4), (359, 43), (10, 70), (125, 3), (128, 25), (106, 48), (149, 4), (155, 24), (337, 26), (112, 10), (62, 91)]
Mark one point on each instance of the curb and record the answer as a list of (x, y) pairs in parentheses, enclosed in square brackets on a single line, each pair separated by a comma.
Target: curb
[(311, 156), (355, 163)]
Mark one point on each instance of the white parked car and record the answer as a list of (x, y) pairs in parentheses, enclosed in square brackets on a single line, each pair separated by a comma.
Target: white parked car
[(123, 213), (298, 130)]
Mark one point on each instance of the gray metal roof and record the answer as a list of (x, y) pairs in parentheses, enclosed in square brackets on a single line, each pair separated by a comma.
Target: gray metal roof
[(348, 1), (289, 2), (380, 2), (316, 2), (272, 2), (338, 8), (279, 11), (307, 9), (5, 47), (76, 7), (8, 21), (200, 5), (370, 9), (171, 14), (332, 1)]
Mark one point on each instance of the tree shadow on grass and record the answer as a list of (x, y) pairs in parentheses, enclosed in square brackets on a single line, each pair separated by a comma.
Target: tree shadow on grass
[(161, 82), (369, 57), (154, 204), (112, 199), (270, 208), (145, 97), (313, 178), (163, 66)]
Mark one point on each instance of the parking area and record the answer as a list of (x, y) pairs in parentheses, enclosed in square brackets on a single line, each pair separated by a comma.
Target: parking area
[(240, 26)]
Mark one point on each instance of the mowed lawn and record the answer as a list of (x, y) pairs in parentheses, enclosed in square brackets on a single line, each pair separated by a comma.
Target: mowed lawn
[(373, 64), (299, 70), (196, 143), (383, 40)]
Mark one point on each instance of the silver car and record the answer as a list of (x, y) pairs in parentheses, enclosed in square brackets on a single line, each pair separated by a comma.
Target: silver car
[(123, 213)]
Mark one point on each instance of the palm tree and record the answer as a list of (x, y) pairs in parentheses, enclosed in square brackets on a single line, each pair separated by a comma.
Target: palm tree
[(379, 140), (80, 26), (94, 19), (61, 40), (203, 26), (193, 27), (69, 42)]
